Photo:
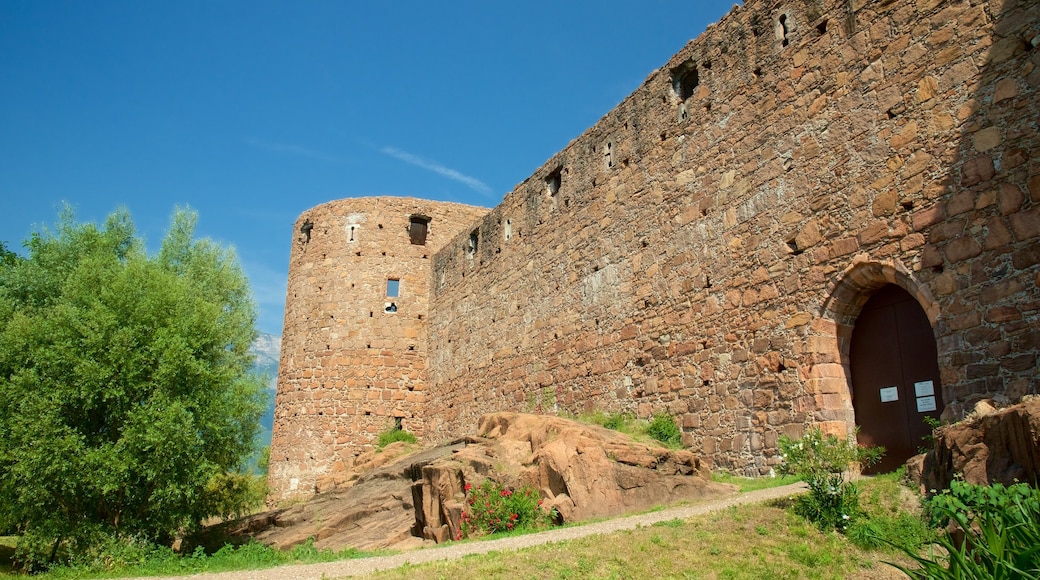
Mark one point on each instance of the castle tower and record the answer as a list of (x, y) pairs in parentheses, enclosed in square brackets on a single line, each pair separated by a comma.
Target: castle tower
[(354, 353)]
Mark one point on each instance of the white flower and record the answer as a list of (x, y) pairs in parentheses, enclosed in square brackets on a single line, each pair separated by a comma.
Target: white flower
[(844, 517)]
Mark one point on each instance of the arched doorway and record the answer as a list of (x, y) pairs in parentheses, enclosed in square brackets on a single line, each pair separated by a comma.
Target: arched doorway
[(895, 375)]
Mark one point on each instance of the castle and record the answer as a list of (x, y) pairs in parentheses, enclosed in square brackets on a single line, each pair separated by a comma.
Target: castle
[(819, 212)]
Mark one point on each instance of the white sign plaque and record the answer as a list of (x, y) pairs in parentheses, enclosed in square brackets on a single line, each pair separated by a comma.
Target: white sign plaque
[(889, 394), (924, 388), (925, 404)]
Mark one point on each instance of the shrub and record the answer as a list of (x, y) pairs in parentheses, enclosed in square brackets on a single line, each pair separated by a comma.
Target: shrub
[(616, 421), (663, 428), (394, 435), (492, 508), (823, 463), (996, 533), (234, 495)]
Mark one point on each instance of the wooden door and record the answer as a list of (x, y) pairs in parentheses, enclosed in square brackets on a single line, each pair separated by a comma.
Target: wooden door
[(895, 376)]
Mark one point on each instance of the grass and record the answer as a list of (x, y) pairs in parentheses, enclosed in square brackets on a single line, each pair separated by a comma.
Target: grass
[(752, 541), (394, 435), (164, 562), (746, 484), (894, 516), (658, 430)]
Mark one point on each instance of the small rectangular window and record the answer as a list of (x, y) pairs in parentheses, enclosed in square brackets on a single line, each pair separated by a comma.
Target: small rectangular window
[(393, 288)]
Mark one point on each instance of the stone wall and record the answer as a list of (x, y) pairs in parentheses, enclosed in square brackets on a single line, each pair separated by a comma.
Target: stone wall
[(705, 248), (353, 359)]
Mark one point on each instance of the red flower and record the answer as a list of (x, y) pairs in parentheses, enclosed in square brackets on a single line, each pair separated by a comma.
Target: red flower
[(467, 487), (514, 516)]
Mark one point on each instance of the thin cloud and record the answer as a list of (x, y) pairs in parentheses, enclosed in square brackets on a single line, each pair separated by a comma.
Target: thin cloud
[(470, 182), (289, 148)]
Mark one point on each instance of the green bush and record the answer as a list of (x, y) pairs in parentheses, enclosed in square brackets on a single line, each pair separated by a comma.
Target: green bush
[(663, 428), (823, 463), (234, 495), (996, 533), (616, 421), (492, 508), (394, 435)]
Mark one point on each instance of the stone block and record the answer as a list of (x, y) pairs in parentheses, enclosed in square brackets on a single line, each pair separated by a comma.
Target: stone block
[(977, 170), (1026, 224), (961, 249), (927, 217), (986, 139)]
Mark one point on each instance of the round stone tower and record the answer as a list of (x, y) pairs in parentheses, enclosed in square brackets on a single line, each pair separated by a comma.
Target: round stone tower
[(354, 353)]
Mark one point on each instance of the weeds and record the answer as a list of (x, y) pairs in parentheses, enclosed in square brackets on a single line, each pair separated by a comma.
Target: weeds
[(660, 428), (663, 428), (393, 435)]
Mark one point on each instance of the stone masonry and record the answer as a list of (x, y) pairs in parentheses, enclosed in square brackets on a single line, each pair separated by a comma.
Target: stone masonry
[(353, 359), (705, 249)]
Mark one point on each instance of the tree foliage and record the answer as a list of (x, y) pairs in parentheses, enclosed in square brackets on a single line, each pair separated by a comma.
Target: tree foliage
[(124, 383)]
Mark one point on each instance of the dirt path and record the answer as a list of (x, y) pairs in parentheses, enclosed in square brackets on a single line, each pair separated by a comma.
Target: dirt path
[(452, 551)]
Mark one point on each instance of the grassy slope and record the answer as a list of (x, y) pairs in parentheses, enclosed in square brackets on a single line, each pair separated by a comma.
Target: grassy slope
[(752, 542)]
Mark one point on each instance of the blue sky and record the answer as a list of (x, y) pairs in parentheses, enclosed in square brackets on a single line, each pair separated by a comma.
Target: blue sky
[(252, 112)]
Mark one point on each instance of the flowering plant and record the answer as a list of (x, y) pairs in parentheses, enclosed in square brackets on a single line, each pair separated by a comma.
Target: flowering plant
[(823, 463), (492, 508)]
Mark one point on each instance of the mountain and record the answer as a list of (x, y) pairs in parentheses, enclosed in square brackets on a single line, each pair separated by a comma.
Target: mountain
[(267, 349)]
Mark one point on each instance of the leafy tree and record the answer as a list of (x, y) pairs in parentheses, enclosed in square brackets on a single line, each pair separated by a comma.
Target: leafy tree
[(124, 383), (7, 257)]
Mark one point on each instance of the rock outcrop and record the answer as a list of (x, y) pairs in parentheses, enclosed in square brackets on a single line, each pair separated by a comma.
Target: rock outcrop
[(989, 446), (583, 471)]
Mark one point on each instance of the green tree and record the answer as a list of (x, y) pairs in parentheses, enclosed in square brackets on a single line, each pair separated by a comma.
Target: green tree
[(7, 257), (124, 383)]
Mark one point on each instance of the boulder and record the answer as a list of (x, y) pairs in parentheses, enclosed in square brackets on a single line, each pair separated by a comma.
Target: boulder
[(586, 471), (388, 500), (989, 446)]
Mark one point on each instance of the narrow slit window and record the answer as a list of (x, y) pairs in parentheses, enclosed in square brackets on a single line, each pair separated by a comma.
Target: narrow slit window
[(553, 182), (393, 288), (418, 227), (783, 30), (471, 247)]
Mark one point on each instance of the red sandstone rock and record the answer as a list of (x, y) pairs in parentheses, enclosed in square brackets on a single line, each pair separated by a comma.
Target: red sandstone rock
[(989, 447), (583, 471)]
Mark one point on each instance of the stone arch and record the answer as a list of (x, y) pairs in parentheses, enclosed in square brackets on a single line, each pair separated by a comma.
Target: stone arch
[(850, 291), (829, 386)]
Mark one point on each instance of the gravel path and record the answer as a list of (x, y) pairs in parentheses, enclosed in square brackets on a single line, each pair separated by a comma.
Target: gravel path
[(452, 551)]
